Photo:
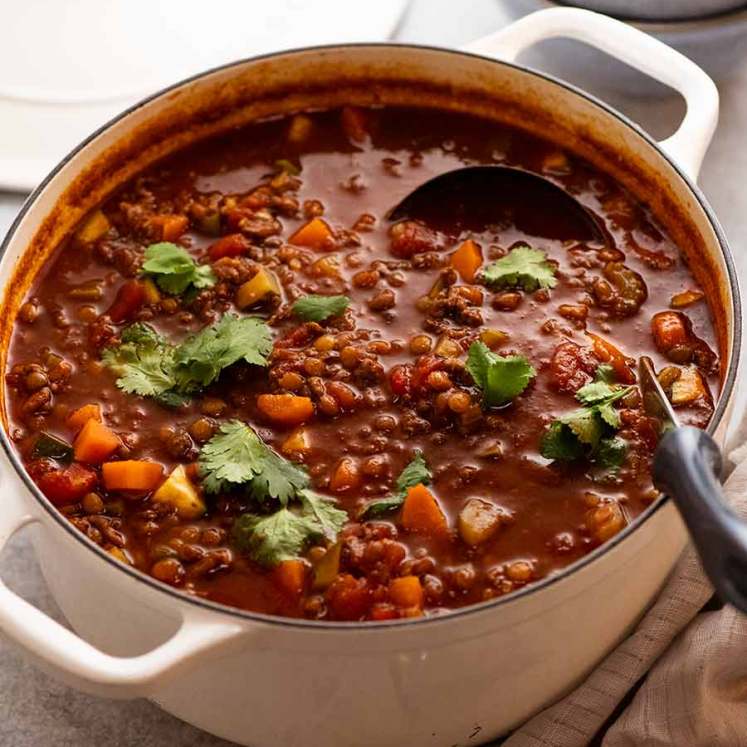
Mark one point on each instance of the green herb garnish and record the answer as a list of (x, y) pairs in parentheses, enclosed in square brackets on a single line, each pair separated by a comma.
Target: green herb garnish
[(174, 270), (315, 308), (523, 267), (147, 365), (143, 361), (415, 473), (590, 430), (500, 378), (289, 515)]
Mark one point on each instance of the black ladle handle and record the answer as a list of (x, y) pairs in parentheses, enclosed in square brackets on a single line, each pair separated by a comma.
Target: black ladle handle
[(687, 467)]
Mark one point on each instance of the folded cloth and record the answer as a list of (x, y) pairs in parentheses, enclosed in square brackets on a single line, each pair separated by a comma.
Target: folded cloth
[(695, 666)]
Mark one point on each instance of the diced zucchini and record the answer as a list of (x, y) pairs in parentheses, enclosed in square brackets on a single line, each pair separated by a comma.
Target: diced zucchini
[(327, 567), (52, 447), (259, 289), (494, 338), (179, 491), (96, 225), (688, 387), (447, 348)]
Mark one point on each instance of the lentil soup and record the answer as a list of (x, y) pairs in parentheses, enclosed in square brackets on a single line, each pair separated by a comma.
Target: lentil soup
[(240, 377)]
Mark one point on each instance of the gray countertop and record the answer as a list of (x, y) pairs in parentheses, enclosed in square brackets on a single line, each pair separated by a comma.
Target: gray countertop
[(35, 710)]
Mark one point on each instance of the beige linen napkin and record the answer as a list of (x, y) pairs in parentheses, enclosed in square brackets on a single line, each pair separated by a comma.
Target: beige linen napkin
[(695, 692)]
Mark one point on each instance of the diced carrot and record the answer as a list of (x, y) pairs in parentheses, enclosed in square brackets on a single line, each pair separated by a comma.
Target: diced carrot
[(290, 576), (285, 409), (171, 226), (95, 226), (83, 414), (130, 297), (421, 512), (608, 353), (406, 591), (354, 123), (346, 476), (233, 245), (131, 475), (467, 260), (669, 329), (67, 485), (316, 234), (95, 443)]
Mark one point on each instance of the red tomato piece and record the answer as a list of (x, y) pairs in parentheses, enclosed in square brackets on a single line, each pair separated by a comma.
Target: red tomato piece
[(68, 484)]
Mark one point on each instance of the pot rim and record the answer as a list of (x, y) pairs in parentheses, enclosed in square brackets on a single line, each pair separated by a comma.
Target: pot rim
[(452, 615)]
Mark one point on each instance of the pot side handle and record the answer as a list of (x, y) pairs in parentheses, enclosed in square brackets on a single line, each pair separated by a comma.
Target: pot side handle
[(81, 665), (689, 143)]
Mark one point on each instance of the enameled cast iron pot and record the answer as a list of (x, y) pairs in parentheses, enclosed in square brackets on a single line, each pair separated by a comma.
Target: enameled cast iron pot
[(471, 675)]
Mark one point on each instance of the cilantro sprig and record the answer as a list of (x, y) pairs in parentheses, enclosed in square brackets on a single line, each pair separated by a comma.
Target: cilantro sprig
[(288, 516), (523, 267), (589, 432), (415, 473), (315, 308), (148, 365), (174, 270), (501, 378)]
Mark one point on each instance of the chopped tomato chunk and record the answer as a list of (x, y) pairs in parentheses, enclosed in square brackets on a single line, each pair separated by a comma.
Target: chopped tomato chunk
[(68, 484), (129, 300), (233, 245), (348, 598)]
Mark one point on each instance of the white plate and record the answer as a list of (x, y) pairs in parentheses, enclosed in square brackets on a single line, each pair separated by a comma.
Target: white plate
[(67, 67)]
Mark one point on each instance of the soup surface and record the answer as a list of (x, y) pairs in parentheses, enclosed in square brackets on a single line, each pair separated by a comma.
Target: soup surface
[(240, 377)]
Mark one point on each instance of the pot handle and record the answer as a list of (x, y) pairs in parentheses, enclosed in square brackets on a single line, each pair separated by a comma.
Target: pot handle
[(639, 50), (80, 664)]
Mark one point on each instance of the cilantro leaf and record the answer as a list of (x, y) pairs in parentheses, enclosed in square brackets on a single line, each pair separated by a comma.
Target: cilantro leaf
[(201, 357), (500, 378), (605, 373), (380, 506), (149, 366), (280, 536), (143, 361), (611, 453), (588, 431), (416, 472), (523, 267), (560, 443), (284, 534), (324, 511), (234, 456), (279, 478), (595, 392), (314, 308), (174, 270), (237, 456)]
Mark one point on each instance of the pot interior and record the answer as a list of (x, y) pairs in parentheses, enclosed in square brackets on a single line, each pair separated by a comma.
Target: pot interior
[(374, 75)]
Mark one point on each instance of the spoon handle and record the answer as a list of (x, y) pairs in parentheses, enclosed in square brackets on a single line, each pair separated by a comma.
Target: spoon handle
[(687, 466)]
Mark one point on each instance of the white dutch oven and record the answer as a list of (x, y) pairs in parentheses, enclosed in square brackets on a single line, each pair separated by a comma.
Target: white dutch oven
[(471, 675)]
